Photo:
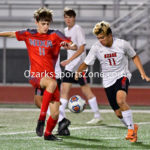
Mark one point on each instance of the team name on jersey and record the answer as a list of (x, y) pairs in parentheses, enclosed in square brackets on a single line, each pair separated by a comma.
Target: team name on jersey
[(110, 55), (45, 43)]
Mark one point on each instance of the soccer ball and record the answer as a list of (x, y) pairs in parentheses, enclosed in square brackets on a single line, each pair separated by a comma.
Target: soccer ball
[(76, 104)]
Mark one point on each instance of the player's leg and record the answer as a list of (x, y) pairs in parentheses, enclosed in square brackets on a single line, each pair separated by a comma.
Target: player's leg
[(111, 95), (117, 94), (86, 90), (116, 101), (66, 85), (65, 89), (52, 120), (63, 123), (127, 116), (38, 98), (50, 86), (120, 117), (39, 95)]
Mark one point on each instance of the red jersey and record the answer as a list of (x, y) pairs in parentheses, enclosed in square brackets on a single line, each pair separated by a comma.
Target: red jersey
[(43, 50)]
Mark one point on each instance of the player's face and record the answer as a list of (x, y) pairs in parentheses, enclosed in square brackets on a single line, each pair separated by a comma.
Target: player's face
[(42, 26), (105, 40), (70, 21)]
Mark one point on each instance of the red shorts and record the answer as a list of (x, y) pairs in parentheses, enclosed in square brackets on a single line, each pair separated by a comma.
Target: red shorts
[(35, 82)]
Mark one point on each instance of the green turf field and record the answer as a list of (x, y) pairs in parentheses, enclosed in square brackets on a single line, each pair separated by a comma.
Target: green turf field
[(17, 132)]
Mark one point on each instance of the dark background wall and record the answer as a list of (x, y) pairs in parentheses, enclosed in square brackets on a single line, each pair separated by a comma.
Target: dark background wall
[(17, 62)]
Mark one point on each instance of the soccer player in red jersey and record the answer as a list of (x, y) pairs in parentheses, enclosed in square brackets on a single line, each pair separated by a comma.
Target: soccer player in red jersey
[(43, 47)]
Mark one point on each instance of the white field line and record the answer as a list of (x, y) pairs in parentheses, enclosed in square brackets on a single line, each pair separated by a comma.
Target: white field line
[(15, 133), (26, 132), (37, 137), (75, 128), (67, 110)]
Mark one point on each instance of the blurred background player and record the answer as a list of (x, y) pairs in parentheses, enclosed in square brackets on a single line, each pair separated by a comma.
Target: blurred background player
[(74, 59), (43, 47), (113, 54)]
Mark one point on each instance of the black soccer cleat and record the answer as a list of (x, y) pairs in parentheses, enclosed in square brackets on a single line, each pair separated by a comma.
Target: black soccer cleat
[(64, 132), (63, 124), (52, 138), (40, 127)]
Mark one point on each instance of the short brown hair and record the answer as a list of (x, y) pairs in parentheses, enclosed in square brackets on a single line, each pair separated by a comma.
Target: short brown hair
[(43, 14), (102, 27), (69, 12)]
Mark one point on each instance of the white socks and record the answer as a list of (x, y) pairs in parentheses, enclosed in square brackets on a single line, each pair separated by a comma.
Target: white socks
[(127, 117), (93, 104), (62, 108), (122, 120), (48, 111)]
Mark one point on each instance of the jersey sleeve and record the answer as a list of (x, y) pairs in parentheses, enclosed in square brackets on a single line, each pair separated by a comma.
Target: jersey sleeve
[(90, 58), (129, 51), (80, 37), (62, 37), (21, 35)]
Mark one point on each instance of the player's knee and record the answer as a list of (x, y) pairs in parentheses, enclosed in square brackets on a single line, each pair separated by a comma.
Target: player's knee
[(121, 97), (90, 97), (120, 102), (52, 84)]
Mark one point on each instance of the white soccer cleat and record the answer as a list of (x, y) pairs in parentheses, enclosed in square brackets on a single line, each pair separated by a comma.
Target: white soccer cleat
[(95, 121)]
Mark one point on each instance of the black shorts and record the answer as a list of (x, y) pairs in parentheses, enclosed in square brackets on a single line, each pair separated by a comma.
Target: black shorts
[(120, 84), (40, 91), (70, 78)]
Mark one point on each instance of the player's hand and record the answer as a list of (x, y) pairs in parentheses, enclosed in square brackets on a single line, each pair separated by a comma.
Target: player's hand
[(64, 63), (145, 77), (65, 45)]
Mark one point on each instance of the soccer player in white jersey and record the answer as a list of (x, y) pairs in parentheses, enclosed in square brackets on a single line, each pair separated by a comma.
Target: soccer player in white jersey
[(75, 32), (113, 54)]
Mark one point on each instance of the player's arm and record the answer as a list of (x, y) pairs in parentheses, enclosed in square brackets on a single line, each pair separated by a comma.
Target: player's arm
[(69, 46), (138, 64), (75, 55), (89, 60), (81, 68), (8, 34)]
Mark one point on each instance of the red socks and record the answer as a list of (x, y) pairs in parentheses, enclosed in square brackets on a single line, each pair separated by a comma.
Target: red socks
[(51, 123), (45, 104)]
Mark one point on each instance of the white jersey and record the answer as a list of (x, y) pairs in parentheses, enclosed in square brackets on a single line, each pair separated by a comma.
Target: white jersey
[(77, 36), (113, 60), (57, 68)]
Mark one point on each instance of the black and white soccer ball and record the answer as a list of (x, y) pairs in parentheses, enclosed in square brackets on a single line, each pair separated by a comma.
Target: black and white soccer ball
[(76, 104)]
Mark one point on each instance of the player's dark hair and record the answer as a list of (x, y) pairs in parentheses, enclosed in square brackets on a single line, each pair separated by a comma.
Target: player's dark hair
[(102, 27), (43, 14), (69, 12), (109, 31)]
